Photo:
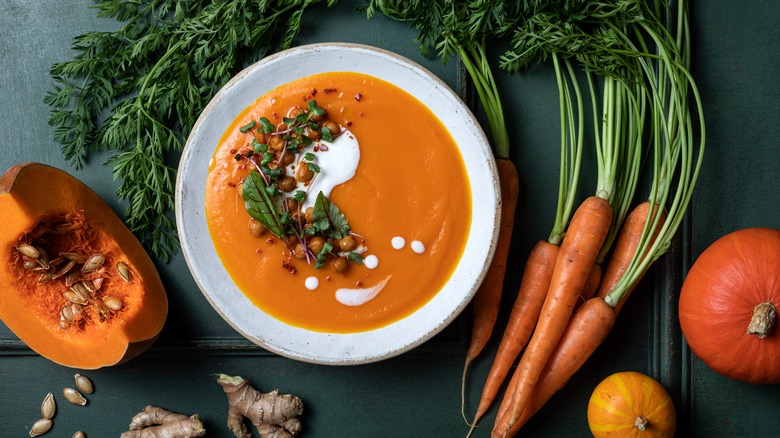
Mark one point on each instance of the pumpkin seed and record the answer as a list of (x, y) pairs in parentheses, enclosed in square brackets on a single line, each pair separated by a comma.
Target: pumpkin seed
[(76, 309), (84, 384), (76, 257), (71, 278), (40, 427), (66, 313), (88, 286), (28, 250), (58, 261), (93, 263), (97, 283), (29, 264), (74, 396), (64, 269), (79, 434), (81, 290), (64, 324), (124, 271), (112, 303), (73, 297), (46, 277), (48, 407), (43, 258)]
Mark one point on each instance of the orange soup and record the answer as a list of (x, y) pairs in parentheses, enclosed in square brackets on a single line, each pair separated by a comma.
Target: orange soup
[(405, 195)]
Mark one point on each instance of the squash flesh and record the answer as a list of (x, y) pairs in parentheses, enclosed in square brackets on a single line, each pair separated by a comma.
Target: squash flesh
[(31, 310)]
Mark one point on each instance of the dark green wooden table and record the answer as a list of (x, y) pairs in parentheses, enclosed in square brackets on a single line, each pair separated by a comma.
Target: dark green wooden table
[(736, 63)]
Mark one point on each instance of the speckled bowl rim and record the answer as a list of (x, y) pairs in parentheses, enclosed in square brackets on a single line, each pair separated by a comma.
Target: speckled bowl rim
[(299, 343)]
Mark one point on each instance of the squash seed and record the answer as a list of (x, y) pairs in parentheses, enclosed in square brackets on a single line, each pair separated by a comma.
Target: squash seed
[(43, 258), (124, 271), (48, 407), (71, 278), (112, 303), (28, 250), (81, 290), (73, 297), (63, 270), (74, 396), (66, 313), (84, 384), (97, 283), (93, 263), (76, 257), (79, 434), (29, 264), (46, 277), (64, 324), (40, 427)]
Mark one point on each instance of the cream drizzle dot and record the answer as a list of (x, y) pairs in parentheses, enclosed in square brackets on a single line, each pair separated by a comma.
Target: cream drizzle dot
[(398, 242), (371, 261), (312, 283), (418, 247)]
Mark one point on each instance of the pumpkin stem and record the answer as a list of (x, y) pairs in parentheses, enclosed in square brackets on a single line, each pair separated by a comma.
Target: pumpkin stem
[(763, 319), (641, 423)]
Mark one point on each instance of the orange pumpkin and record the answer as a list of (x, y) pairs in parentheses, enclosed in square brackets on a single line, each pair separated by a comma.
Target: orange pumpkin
[(728, 304), (76, 286), (631, 404)]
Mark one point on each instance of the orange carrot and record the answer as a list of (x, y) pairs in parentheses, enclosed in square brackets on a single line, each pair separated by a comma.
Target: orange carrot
[(591, 284), (488, 297), (522, 320), (587, 329), (578, 252), (625, 247)]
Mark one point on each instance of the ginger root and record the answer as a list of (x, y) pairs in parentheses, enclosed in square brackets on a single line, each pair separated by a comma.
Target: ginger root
[(155, 422), (273, 414)]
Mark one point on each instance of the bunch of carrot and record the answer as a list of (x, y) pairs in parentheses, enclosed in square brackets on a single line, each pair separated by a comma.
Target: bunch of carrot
[(565, 308)]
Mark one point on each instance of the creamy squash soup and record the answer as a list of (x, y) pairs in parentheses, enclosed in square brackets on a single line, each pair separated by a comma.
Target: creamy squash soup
[(338, 203)]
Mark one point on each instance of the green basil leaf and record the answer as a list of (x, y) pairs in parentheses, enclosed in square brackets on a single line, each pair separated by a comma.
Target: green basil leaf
[(260, 205), (324, 210)]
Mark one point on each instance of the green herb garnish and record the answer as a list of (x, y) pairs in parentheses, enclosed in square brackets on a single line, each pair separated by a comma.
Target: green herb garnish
[(332, 221), (137, 91)]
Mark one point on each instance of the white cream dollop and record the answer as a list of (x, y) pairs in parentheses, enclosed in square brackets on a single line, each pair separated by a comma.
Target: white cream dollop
[(338, 160), (418, 247), (371, 261), (311, 283), (360, 296), (398, 242)]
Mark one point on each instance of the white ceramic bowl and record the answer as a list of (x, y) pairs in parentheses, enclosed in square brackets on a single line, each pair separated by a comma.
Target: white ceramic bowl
[(215, 282)]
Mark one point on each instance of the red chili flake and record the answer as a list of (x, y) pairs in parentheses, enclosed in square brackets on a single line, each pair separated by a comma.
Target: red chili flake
[(359, 283), (327, 278), (313, 91), (316, 148), (349, 123), (276, 115), (360, 114), (242, 166), (329, 90), (233, 151), (231, 184), (305, 98), (270, 241), (358, 96), (289, 267), (323, 148), (259, 251)]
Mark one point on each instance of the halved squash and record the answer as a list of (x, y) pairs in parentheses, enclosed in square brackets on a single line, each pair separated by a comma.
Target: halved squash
[(76, 286)]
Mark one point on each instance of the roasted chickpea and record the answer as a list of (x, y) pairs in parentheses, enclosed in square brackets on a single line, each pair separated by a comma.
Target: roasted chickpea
[(309, 214), (287, 183), (333, 127), (303, 173), (318, 118), (295, 112), (276, 143), (256, 228), (316, 243), (340, 265), (292, 204), (299, 252), (313, 134), (287, 158), (348, 243)]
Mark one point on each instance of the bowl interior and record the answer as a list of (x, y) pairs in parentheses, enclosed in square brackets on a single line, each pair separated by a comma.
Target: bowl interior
[(215, 282)]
